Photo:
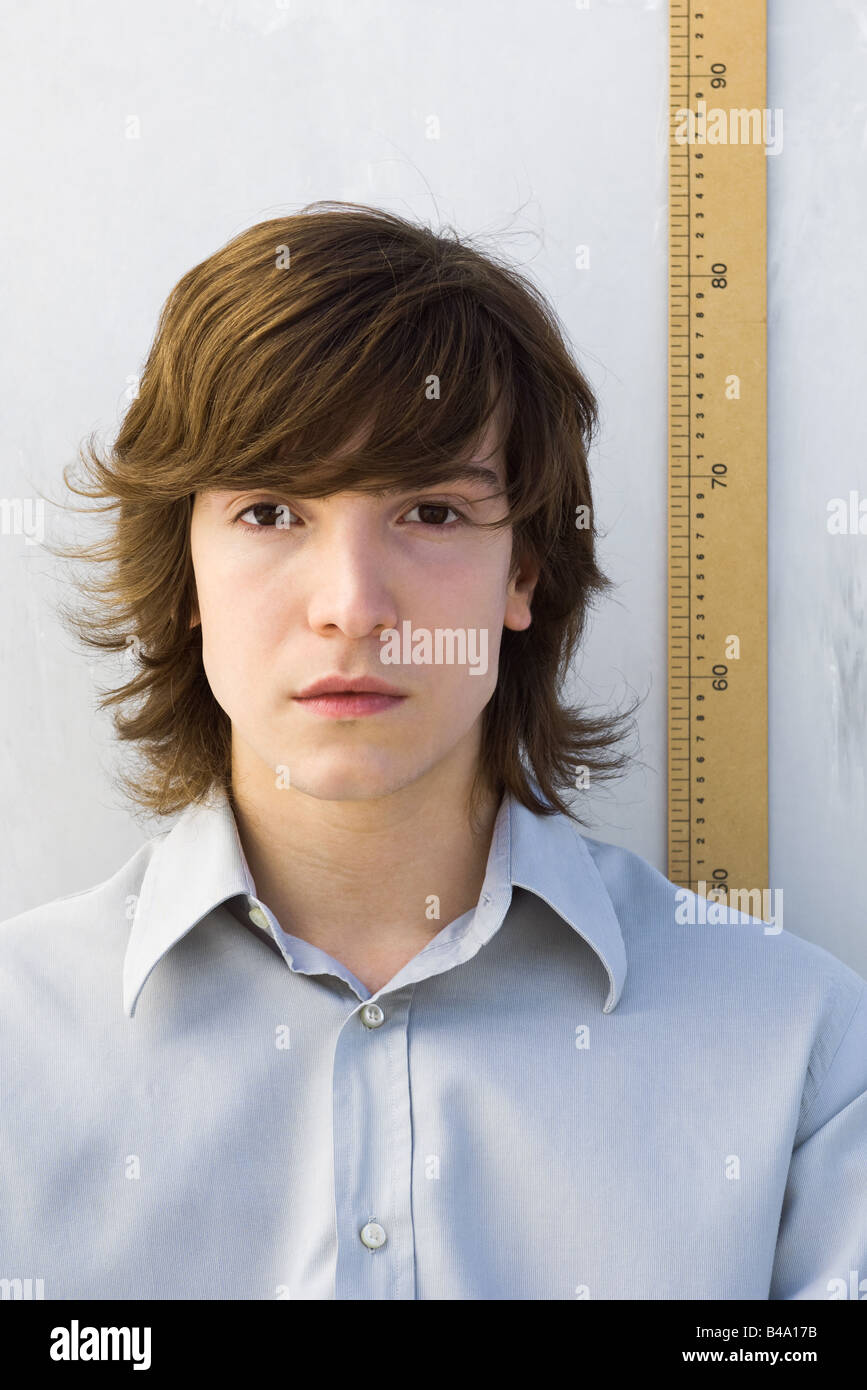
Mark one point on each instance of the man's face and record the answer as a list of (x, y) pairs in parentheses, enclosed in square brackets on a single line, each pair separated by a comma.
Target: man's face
[(293, 590)]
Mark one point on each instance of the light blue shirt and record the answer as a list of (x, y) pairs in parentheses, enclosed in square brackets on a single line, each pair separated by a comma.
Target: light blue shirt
[(568, 1093)]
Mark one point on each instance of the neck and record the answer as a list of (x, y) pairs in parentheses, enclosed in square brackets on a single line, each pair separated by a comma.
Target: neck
[(362, 879)]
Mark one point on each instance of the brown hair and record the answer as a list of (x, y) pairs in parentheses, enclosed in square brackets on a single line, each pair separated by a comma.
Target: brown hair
[(267, 358)]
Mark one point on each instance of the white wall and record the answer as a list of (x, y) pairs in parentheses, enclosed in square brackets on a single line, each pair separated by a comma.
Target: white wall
[(553, 133)]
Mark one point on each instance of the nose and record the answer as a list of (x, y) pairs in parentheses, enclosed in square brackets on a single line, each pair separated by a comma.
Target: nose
[(351, 586)]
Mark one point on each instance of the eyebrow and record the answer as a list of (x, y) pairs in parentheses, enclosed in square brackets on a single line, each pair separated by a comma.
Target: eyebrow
[(468, 472)]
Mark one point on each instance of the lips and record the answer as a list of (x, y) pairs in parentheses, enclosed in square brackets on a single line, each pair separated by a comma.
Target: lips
[(349, 705), (348, 685)]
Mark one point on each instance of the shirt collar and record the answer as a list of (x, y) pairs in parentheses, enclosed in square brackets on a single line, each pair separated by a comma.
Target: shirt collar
[(199, 864)]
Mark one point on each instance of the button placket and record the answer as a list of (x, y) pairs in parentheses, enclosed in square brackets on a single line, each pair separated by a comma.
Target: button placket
[(372, 1129)]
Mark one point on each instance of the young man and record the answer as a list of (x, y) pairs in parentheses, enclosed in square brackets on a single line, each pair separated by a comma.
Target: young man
[(373, 1019)]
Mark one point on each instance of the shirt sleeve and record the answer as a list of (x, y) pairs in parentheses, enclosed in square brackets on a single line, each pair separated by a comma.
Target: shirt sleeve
[(821, 1248)]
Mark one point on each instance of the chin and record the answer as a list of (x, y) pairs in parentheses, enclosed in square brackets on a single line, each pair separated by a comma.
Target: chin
[(348, 777)]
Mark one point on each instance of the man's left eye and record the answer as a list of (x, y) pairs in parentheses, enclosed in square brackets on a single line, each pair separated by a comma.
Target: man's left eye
[(433, 507)]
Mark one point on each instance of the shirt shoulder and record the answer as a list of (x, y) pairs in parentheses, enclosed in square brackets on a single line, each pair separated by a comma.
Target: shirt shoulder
[(790, 986), (67, 931), (648, 904)]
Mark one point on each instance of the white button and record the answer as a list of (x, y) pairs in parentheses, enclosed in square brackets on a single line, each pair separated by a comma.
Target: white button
[(373, 1235), (258, 918), (372, 1016), (486, 898)]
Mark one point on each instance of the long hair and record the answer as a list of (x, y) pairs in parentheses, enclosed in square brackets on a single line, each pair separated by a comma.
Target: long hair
[(268, 357)]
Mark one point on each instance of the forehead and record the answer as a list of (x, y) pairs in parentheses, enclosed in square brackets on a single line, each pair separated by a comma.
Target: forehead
[(486, 464)]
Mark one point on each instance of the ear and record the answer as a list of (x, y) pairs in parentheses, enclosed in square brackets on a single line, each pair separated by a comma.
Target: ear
[(519, 594)]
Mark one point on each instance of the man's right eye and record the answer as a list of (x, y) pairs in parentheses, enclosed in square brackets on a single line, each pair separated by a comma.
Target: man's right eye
[(269, 516)]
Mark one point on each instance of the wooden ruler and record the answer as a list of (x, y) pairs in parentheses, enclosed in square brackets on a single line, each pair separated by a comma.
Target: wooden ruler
[(717, 600)]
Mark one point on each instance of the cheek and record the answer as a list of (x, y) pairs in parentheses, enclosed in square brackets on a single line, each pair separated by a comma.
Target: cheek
[(475, 592), (473, 599), (239, 620)]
